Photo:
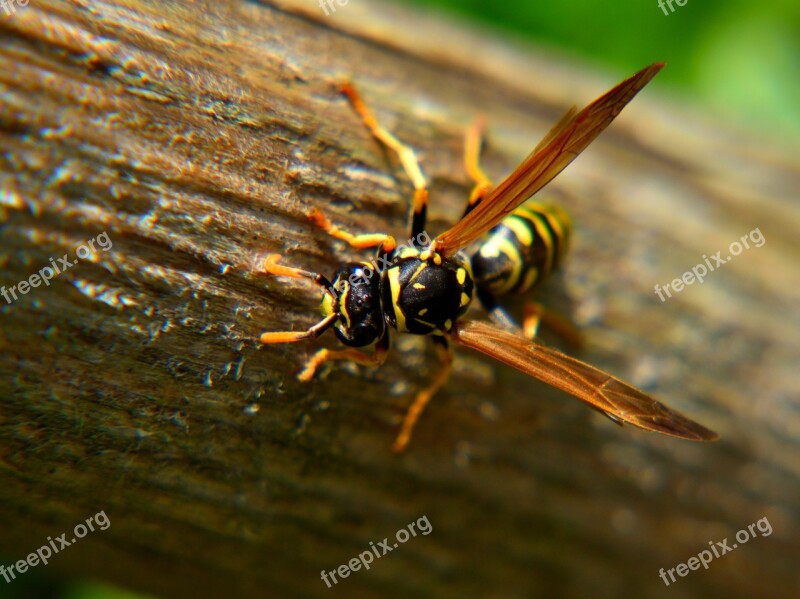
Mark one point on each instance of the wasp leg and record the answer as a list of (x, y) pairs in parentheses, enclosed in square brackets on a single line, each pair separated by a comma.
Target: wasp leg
[(501, 318), (497, 314), (423, 397), (377, 358), (408, 158), (386, 242), (472, 158), (535, 314)]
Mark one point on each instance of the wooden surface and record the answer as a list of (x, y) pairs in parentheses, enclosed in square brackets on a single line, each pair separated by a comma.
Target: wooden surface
[(197, 135)]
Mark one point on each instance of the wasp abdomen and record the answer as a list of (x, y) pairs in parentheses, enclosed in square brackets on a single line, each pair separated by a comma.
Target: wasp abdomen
[(521, 251)]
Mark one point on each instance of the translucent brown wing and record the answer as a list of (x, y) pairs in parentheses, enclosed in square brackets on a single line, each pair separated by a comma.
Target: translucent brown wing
[(571, 135), (618, 400), (557, 128)]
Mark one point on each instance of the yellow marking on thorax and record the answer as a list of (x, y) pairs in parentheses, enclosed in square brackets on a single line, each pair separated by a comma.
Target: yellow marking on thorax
[(420, 268), (394, 288), (428, 255), (408, 253), (468, 266), (426, 323)]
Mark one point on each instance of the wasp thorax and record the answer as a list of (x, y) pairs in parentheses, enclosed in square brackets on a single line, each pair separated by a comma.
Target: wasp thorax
[(422, 297), (356, 298)]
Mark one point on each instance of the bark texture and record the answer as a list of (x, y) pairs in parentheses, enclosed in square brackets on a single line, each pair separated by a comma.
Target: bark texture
[(197, 136)]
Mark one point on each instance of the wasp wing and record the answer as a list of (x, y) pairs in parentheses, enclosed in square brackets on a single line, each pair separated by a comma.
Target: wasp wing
[(557, 128), (571, 135), (619, 401)]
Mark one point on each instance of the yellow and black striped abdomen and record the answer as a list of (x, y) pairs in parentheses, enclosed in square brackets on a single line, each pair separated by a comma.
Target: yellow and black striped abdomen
[(522, 250)]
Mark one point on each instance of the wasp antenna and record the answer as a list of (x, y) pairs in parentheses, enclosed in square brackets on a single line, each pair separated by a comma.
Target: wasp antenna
[(271, 267), (293, 336)]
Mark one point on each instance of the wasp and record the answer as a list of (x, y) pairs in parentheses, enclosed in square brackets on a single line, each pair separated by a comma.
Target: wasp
[(426, 286)]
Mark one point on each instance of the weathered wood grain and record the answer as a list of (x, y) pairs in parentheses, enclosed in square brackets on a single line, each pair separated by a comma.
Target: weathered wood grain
[(197, 135)]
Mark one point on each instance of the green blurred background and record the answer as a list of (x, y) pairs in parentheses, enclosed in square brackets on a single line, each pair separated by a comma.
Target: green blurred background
[(739, 59)]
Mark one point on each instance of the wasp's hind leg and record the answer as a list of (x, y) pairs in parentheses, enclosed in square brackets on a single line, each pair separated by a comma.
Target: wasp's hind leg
[(408, 158), (497, 313), (472, 158), (534, 315), (377, 358), (423, 397)]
